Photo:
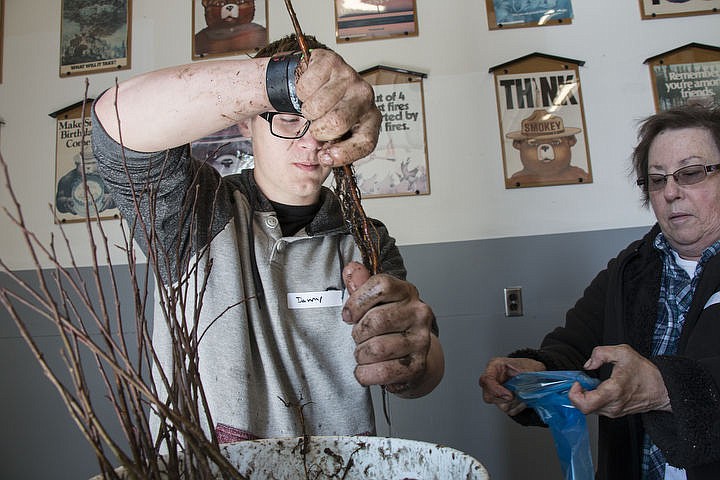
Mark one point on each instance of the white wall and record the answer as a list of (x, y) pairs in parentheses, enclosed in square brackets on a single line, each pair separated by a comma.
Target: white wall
[(455, 48)]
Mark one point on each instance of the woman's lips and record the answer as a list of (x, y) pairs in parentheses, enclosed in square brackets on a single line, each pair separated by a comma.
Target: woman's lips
[(678, 217)]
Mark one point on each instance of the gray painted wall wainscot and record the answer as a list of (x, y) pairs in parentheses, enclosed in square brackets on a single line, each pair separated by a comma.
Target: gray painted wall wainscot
[(462, 281)]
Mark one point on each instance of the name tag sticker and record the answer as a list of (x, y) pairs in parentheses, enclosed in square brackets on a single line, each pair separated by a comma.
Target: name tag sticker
[(325, 299)]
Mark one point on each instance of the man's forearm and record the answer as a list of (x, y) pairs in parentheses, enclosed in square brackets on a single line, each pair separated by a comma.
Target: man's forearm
[(176, 105)]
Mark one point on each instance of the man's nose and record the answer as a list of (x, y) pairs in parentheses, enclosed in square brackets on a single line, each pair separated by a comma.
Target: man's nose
[(308, 141)]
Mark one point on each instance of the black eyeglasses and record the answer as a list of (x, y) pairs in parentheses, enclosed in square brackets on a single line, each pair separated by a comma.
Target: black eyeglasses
[(689, 175), (286, 125)]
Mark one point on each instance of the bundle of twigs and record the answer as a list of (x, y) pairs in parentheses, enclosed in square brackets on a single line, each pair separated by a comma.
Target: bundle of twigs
[(346, 187), (361, 227), (95, 338)]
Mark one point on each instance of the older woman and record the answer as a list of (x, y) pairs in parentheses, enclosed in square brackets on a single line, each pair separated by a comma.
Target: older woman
[(648, 325)]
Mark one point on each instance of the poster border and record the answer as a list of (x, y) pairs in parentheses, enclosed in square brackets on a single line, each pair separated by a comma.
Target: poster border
[(69, 71), (649, 14), (366, 36), (494, 25)]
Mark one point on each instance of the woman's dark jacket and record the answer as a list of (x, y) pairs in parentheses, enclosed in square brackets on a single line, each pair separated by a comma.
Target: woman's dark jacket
[(620, 307)]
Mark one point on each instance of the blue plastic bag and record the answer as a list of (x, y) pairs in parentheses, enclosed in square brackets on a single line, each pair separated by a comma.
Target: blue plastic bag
[(547, 393)]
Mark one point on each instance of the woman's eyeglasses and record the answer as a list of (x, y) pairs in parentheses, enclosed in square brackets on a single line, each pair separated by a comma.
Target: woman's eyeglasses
[(689, 175)]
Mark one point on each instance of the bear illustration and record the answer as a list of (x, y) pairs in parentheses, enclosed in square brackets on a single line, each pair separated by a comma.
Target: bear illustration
[(229, 28), (545, 147)]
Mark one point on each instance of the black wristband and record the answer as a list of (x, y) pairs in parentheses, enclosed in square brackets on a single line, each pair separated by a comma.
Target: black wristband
[(280, 83)]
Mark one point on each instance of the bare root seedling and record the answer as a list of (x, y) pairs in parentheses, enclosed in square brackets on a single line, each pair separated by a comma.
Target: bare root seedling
[(97, 336)]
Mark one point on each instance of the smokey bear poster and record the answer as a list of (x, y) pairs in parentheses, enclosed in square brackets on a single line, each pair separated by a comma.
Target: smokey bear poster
[(542, 129), (228, 27)]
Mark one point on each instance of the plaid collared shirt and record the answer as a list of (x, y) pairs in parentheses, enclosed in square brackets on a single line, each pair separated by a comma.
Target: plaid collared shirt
[(676, 292)]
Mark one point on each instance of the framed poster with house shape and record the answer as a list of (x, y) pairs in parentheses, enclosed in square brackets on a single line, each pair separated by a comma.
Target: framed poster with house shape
[(650, 9), (504, 14), (80, 192), (227, 27), (686, 75), (95, 36), (398, 165), (542, 121)]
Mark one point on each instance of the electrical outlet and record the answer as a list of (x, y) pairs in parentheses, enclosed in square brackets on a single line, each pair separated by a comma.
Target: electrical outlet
[(513, 302)]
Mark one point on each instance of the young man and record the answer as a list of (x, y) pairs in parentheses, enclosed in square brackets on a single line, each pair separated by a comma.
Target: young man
[(270, 242)]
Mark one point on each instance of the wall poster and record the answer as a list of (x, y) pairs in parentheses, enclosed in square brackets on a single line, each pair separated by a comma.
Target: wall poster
[(686, 75), (76, 167), (222, 28), (542, 122), (527, 13), (398, 165), (650, 9), (357, 20), (227, 151), (95, 36)]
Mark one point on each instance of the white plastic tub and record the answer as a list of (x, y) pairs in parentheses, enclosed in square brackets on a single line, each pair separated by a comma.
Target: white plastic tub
[(347, 458), (369, 458)]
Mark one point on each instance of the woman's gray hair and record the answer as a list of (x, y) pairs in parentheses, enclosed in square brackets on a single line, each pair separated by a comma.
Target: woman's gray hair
[(686, 116)]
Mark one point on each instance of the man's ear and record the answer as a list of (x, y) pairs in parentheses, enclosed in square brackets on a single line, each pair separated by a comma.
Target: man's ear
[(245, 127)]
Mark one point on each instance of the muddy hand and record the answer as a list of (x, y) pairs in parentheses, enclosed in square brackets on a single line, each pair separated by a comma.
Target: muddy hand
[(341, 106), (391, 328), (635, 385)]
